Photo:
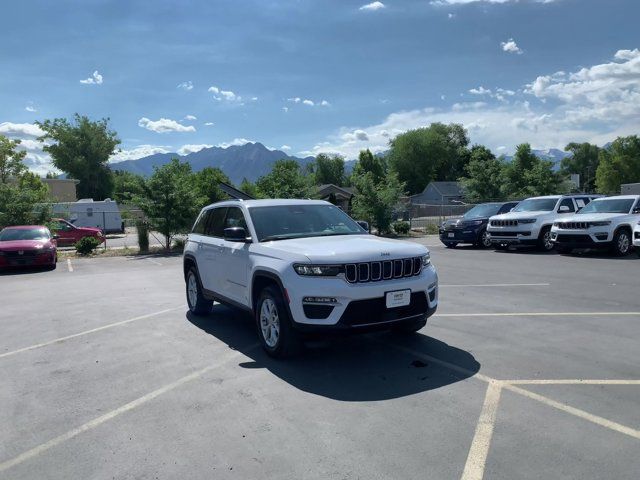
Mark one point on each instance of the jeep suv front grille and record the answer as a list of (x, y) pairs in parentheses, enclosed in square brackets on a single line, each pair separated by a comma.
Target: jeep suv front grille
[(385, 270), (573, 225), (504, 223)]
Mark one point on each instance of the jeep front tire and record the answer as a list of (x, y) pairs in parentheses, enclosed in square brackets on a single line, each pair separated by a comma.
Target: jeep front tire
[(277, 336)]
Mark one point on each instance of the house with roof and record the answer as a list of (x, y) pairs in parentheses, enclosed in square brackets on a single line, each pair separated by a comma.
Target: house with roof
[(339, 196), (439, 193)]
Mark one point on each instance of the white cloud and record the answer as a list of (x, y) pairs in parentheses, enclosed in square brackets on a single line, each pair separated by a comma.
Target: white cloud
[(94, 79), (480, 91), (19, 130), (31, 107), (138, 152), (308, 102), (164, 125), (285, 109), (510, 46), (190, 118), (234, 142), (324, 103), (186, 86), (254, 99), (451, 15), (224, 95), (187, 149), (593, 104), (373, 6), (294, 99), (285, 148), (209, 124)]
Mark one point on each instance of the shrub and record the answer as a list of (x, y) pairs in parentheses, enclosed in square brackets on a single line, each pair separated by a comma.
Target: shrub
[(178, 243), (401, 227), (86, 245), (431, 229), (143, 235)]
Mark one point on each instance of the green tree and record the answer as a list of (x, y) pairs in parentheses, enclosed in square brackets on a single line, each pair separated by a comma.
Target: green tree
[(169, 199), (484, 171), (435, 153), (206, 183), (11, 165), (527, 175), (329, 169), (377, 193), (249, 188), (367, 162), (584, 161), (81, 148), (284, 181), (620, 163), (23, 196), (127, 186)]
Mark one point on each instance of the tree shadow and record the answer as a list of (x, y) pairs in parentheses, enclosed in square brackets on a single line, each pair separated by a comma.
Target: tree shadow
[(594, 254), (355, 368)]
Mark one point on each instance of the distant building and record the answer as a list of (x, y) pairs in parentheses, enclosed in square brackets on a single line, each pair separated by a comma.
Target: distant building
[(339, 196), (61, 189), (439, 193), (630, 189)]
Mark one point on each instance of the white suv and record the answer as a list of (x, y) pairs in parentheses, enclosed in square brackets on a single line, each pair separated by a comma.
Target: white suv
[(636, 238), (304, 266), (604, 223), (529, 223)]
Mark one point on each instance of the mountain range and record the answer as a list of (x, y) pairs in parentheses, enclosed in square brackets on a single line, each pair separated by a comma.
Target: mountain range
[(253, 160), (250, 161)]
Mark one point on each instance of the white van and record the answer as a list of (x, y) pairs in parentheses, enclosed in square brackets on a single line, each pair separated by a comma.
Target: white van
[(104, 214)]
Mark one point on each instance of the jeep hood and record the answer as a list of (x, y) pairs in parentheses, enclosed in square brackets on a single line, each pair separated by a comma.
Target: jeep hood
[(347, 248), (591, 217), (519, 215)]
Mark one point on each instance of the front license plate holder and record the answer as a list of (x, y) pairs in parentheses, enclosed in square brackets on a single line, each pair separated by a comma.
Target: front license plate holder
[(398, 298)]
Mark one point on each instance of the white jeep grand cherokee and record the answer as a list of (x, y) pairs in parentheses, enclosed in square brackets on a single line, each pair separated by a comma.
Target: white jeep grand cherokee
[(304, 266), (529, 223), (604, 223)]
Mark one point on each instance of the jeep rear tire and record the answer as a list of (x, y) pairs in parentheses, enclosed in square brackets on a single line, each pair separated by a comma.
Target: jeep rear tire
[(276, 333), (198, 305)]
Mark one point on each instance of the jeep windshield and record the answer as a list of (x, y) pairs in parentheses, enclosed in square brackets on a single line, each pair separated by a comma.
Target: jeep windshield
[(282, 222), (482, 211), (536, 205), (617, 205)]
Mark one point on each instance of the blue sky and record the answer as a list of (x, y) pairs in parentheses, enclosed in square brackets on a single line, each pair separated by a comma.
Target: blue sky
[(312, 76)]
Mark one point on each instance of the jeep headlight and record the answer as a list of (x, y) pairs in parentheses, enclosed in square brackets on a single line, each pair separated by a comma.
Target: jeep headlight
[(600, 224), (426, 260), (528, 220), (316, 270)]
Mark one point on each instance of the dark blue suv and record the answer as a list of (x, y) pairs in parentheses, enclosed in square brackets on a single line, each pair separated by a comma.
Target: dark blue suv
[(472, 227)]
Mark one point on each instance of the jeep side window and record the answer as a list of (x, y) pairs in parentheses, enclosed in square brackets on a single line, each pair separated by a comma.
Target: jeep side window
[(201, 223), (215, 225), (235, 218), (567, 202)]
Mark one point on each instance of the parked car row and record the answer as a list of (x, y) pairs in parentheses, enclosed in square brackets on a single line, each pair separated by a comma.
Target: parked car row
[(561, 222)]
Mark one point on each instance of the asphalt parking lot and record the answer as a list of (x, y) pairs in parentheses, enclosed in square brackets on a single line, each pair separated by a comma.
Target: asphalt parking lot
[(529, 369)]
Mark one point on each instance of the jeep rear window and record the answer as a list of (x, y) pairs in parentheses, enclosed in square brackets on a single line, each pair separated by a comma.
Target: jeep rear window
[(536, 205), (281, 222)]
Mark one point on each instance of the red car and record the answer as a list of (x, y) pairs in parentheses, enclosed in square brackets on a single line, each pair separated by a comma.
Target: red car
[(27, 245), (68, 234)]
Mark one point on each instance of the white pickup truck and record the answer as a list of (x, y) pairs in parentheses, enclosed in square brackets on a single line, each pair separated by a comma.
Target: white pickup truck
[(304, 266)]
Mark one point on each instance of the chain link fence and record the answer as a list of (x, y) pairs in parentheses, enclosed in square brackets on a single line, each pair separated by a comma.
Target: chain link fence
[(428, 218)]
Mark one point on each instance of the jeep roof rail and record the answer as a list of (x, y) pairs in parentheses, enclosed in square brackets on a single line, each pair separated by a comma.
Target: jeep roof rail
[(233, 192)]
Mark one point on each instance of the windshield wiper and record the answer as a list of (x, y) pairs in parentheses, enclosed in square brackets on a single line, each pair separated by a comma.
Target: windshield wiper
[(279, 237)]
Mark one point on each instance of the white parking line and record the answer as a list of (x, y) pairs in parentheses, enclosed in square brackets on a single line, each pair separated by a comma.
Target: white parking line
[(499, 285), (577, 381), (86, 332), (603, 422), (540, 314), (69, 266), (114, 413), (477, 458), (154, 261)]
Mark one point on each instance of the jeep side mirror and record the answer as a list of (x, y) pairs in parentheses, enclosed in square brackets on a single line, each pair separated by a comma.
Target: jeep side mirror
[(363, 224), (236, 234)]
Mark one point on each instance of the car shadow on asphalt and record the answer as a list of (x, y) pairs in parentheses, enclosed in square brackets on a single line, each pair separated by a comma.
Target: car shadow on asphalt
[(355, 368), (9, 272)]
